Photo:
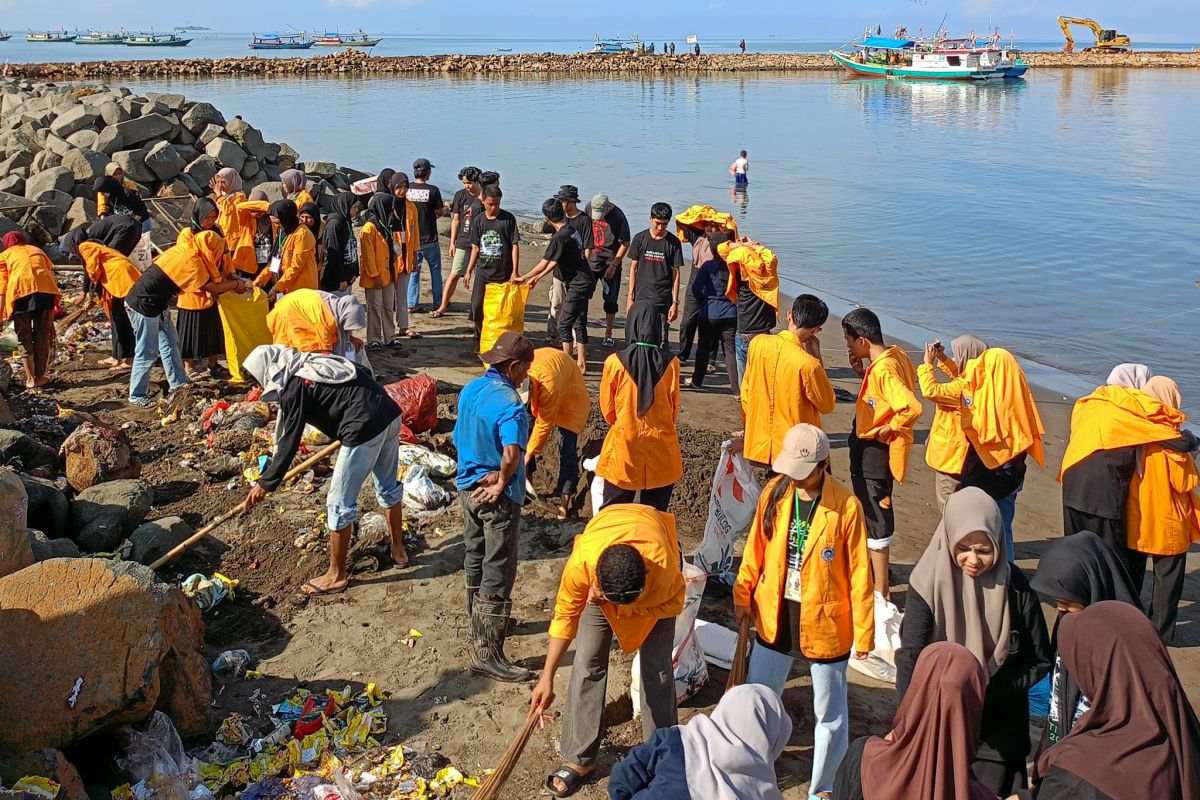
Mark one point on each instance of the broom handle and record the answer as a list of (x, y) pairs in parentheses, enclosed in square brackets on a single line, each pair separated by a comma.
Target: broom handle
[(70, 319), (737, 675), (239, 508), (490, 789)]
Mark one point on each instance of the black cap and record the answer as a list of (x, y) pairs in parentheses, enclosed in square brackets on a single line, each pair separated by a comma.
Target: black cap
[(422, 163), (567, 192)]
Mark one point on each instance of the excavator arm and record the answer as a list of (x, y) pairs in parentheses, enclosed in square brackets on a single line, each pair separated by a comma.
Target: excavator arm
[(1104, 39)]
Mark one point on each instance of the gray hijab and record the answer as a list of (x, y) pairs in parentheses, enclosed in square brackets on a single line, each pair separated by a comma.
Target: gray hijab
[(731, 754), (966, 348), (350, 315), (972, 612), (274, 366), (1131, 376)]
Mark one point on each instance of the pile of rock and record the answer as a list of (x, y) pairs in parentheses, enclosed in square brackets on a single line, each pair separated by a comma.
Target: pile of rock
[(56, 140)]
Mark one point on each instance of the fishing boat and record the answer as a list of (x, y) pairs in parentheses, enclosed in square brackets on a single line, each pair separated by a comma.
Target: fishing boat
[(50, 36), (280, 41), (609, 47), (881, 57), (4, 37), (101, 37), (335, 39), (156, 40)]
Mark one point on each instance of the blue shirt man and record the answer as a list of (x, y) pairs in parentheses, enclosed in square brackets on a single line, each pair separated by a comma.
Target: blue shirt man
[(491, 417)]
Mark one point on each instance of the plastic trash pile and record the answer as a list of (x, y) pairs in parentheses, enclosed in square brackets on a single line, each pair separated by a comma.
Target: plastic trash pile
[(208, 592), (32, 786), (419, 470)]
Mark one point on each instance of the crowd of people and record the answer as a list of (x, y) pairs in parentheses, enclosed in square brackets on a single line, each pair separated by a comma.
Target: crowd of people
[(295, 299)]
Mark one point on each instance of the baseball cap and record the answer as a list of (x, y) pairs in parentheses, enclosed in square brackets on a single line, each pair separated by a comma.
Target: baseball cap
[(422, 163), (804, 447), (511, 346), (567, 192), (599, 206)]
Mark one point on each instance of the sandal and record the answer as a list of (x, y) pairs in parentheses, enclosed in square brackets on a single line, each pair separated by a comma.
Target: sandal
[(375, 347), (316, 591), (437, 313), (569, 777), (413, 334)]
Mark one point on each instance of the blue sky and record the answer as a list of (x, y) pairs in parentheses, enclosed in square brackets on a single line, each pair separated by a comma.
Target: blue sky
[(1150, 20)]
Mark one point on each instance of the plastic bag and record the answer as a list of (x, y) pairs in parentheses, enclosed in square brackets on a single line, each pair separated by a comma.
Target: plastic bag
[(244, 319), (208, 592), (731, 506), (596, 490), (417, 398), (435, 464), (687, 657), (503, 310), (881, 663), (232, 664), (421, 493), (155, 759)]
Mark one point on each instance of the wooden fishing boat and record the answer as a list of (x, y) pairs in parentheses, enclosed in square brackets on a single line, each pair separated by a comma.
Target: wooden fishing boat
[(101, 37), (609, 47), (335, 39), (881, 57), (4, 37), (50, 36), (277, 41), (156, 40)]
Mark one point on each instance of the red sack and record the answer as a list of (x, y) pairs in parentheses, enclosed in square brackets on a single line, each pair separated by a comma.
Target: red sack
[(417, 398), (407, 436)]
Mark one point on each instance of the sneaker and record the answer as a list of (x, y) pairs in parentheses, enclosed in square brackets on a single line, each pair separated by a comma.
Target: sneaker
[(608, 342), (142, 402)]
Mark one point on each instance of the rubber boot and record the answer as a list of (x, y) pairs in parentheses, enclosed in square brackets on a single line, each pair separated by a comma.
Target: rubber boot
[(489, 624)]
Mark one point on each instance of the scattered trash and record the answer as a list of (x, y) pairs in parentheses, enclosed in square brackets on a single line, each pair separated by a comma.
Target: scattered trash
[(157, 762), (232, 664), (435, 464), (417, 398), (208, 592), (411, 639), (73, 698), (35, 785), (421, 493)]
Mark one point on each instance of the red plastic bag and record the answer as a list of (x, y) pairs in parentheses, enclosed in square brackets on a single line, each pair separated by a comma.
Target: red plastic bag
[(407, 436), (417, 398)]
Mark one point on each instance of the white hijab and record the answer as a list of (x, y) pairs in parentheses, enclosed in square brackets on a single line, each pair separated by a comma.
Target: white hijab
[(273, 366), (731, 754)]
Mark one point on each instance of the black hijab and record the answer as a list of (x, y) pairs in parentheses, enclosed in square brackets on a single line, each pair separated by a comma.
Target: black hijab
[(1082, 568), (70, 242), (644, 358), (338, 227), (285, 212), (315, 211), (107, 184), (200, 210), (121, 232), (381, 210), (383, 184)]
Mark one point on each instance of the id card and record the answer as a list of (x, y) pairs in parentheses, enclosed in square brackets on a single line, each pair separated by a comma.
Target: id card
[(276, 265)]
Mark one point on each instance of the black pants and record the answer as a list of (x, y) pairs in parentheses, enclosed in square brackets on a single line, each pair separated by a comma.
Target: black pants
[(711, 334), (491, 534), (574, 315), (664, 309), (689, 323), (658, 498), (1001, 779), (123, 343), (1111, 531), (1169, 572)]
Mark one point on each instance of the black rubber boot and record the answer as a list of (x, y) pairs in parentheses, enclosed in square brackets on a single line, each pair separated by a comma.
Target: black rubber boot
[(489, 625)]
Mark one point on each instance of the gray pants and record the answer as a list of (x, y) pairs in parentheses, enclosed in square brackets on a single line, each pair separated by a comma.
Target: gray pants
[(583, 720), (945, 485), (491, 534)]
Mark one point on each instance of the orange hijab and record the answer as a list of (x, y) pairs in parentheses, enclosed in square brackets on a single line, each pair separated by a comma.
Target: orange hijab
[(999, 415), (1115, 416), (755, 264)]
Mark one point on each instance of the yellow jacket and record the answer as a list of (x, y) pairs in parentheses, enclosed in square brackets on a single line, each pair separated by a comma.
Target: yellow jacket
[(298, 263), (374, 258), (946, 449), (1113, 417), (783, 386), (111, 271), (242, 254), (639, 452), (755, 264), (696, 216), (302, 198), (653, 534), (886, 400), (837, 606), (1163, 513), (24, 270), (999, 417), (408, 241), (303, 321), (558, 396), (195, 261)]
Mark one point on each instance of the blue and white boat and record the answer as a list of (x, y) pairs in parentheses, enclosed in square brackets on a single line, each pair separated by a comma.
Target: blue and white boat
[(276, 41), (882, 57), (610, 47)]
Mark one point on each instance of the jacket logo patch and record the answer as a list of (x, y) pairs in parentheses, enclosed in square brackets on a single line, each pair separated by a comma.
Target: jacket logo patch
[(966, 401), (827, 554), (871, 402)]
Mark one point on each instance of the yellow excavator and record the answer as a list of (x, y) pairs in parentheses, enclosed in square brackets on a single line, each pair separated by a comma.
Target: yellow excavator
[(1107, 39)]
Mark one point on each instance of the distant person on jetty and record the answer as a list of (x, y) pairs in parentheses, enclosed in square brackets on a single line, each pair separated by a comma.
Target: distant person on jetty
[(610, 244), (558, 400), (742, 45), (28, 294), (622, 579), (741, 169), (462, 209), (655, 258), (342, 401), (672, 48), (495, 251), (697, 49), (882, 435), (491, 435), (565, 257), (430, 207)]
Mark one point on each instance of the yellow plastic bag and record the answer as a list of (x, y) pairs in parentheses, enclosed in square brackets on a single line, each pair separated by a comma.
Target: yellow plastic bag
[(244, 318), (503, 310)]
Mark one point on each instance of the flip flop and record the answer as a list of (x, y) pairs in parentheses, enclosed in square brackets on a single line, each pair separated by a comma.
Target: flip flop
[(435, 314), (412, 334), (570, 778), (317, 591)]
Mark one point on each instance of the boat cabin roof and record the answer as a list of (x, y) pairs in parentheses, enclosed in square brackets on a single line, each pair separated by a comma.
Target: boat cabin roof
[(884, 43)]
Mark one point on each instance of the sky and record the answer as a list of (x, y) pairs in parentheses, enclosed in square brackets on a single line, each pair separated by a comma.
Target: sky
[(795, 20)]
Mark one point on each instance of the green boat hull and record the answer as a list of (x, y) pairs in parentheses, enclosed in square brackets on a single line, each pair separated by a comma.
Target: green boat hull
[(897, 71)]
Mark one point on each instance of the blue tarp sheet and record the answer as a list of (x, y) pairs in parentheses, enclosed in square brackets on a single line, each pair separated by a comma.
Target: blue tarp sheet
[(890, 44)]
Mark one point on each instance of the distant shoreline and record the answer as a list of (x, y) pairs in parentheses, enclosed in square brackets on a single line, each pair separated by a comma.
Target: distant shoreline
[(351, 62)]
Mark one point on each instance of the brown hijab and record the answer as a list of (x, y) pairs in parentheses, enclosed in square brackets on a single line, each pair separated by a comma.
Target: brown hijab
[(965, 348), (935, 733), (1140, 739), (1165, 391)]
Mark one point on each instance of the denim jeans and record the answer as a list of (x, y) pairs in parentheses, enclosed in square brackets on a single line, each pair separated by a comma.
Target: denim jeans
[(431, 254), (831, 708), (377, 458), (1008, 511), (154, 337), (741, 349)]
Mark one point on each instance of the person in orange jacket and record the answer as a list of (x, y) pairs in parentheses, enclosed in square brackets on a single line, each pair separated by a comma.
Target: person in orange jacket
[(1162, 516), (624, 579), (111, 275), (319, 322), (293, 253), (882, 435), (295, 186), (785, 381), (639, 397), (200, 248), (558, 398), (235, 220), (28, 293), (805, 581), (946, 448), (406, 231)]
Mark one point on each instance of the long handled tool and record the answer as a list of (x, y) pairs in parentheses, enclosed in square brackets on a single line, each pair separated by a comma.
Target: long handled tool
[(490, 790), (308, 463), (741, 656), (73, 317)]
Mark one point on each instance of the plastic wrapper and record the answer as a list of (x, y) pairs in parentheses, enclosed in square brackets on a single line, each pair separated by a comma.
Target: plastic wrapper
[(208, 592), (421, 493), (880, 663), (417, 398), (232, 664), (435, 464), (156, 760), (38, 786)]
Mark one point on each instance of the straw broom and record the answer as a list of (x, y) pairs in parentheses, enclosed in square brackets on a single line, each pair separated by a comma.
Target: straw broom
[(741, 656), (490, 790)]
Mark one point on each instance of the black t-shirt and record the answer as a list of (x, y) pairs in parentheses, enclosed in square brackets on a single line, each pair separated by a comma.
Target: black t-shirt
[(608, 234), (428, 199), (657, 261), (153, 292), (582, 224), (494, 238), (466, 205), (566, 250), (755, 315)]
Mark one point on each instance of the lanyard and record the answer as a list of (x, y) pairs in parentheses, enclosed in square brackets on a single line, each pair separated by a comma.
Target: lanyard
[(799, 531), (280, 240)]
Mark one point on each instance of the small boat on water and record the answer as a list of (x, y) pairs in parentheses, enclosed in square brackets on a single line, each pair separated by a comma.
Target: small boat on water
[(101, 37), (4, 37), (278, 41), (156, 40), (50, 36), (882, 57), (335, 39)]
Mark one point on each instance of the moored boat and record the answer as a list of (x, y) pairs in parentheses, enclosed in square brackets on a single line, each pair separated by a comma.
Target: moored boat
[(335, 39), (278, 41), (881, 57), (4, 37), (609, 47), (100, 37), (50, 36), (155, 40)]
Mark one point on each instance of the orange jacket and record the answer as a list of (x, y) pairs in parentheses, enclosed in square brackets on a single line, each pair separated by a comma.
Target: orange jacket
[(303, 321), (239, 221), (408, 241), (24, 270), (374, 259), (783, 386), (999, 416), (946, 449), (756, 265), (639, 452), (302, 198), (837, 607), (653, 534), (111, 271), (194, 262), (298, 263), (886, 400), (1114, 416), (558, 396), (1162, 517)]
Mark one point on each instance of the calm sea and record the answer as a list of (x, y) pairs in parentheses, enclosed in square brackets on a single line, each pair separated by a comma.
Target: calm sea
[(1054, 216)]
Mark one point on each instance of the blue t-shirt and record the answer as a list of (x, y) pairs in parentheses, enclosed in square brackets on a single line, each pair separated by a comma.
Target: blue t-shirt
[(491, 416)]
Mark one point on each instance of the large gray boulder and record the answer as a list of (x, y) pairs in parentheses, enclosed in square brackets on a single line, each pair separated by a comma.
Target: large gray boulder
[(57, 145), (248, 137), (208, 134), (164, 161), (273, 190), (83, 139), (85, 165), (106, 513), (153, 540), (202, 170), (112, 113), (44, 548), (250, 168), (227, 153), (13, 184), (25, 452), (320, 169), (109, 141), (56, 178), (133, 162), (15, 551), (55, 199), (43, 161), (20, 158), (81, 212), (75, 119), (200, 115), (173, 102), (144, 129)]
